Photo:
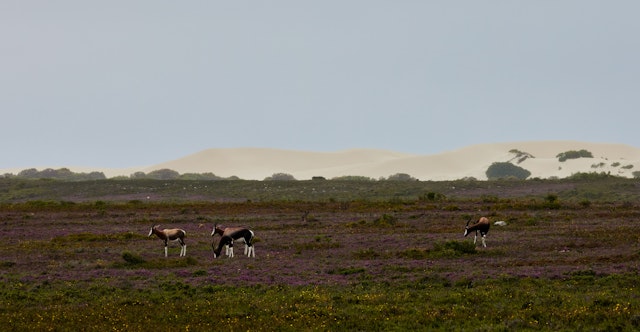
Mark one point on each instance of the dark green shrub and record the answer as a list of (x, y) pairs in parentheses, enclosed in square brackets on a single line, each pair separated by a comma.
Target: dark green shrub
[(132, 258), (520, 155), (431, 196), (200, 273), (572, 154), (280, 177), (585, 203), (385, 220), (347, 270), (453, 248), (503, 170), (7, 264), (163, 174), (401, 177)]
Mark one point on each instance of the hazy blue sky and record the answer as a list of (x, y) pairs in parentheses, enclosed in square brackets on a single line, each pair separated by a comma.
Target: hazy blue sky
[(135, 83)]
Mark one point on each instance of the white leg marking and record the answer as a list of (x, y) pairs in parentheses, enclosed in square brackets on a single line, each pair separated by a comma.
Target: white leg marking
[(165, 251)]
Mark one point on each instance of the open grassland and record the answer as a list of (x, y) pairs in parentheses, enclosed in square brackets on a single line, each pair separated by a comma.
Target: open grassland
[(393, 260)]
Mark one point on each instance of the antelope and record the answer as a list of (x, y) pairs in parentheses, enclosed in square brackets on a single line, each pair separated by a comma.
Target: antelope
[(482, 226), (227, 241), (167, 235), (239, 234)]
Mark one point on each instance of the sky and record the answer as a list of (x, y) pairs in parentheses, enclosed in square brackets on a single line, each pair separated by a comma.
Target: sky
[(116, 84)]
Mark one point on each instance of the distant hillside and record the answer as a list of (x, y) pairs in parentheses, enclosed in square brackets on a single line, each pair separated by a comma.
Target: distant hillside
[(472, 161), (539, 158)]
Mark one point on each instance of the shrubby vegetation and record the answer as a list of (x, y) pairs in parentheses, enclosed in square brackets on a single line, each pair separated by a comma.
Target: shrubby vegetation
[(163, 174), (369, 262), (505, 170), (582, 303), (401, 177), (280, 177), (57, 174), (353, 178), (591, 176), (59, 194), (380, 255), (64, 174), (572, 154), (520, 155)]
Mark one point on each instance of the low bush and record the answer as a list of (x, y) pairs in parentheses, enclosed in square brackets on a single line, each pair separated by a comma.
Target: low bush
[(572, 154), (502, 170), (453, 249), (132, 258)]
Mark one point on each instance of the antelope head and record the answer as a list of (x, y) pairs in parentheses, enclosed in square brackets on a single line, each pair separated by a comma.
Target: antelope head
[(466, 228), (216, 229), (152, 228)]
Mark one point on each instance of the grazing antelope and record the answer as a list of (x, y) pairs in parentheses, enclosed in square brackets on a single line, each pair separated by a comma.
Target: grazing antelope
[(227, 241), (167, 235), (239, 234), (218, 230), (482, 226)]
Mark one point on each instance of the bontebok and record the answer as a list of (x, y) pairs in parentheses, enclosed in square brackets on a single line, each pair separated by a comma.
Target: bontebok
[(482, 226), (226, 240), (167, 235), (236, 234)]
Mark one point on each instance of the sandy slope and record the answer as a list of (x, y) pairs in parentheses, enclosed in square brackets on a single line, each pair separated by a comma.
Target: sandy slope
[(472, 161)]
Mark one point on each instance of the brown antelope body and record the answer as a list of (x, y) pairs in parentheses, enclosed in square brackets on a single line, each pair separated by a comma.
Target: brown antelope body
[(482, 226), (167, 235)]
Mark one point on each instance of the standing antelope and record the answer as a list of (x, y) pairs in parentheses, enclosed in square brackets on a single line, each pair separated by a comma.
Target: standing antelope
[(482, 226), (239, 234), (167, 235)]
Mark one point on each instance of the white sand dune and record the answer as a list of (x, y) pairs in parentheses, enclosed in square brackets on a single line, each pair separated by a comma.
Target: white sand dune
[(472, 161)]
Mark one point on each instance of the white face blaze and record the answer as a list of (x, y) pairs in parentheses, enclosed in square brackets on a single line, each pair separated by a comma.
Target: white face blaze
[(151, 231)]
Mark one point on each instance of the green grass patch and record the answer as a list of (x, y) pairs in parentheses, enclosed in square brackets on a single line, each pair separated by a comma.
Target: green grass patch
[(505, 304)]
